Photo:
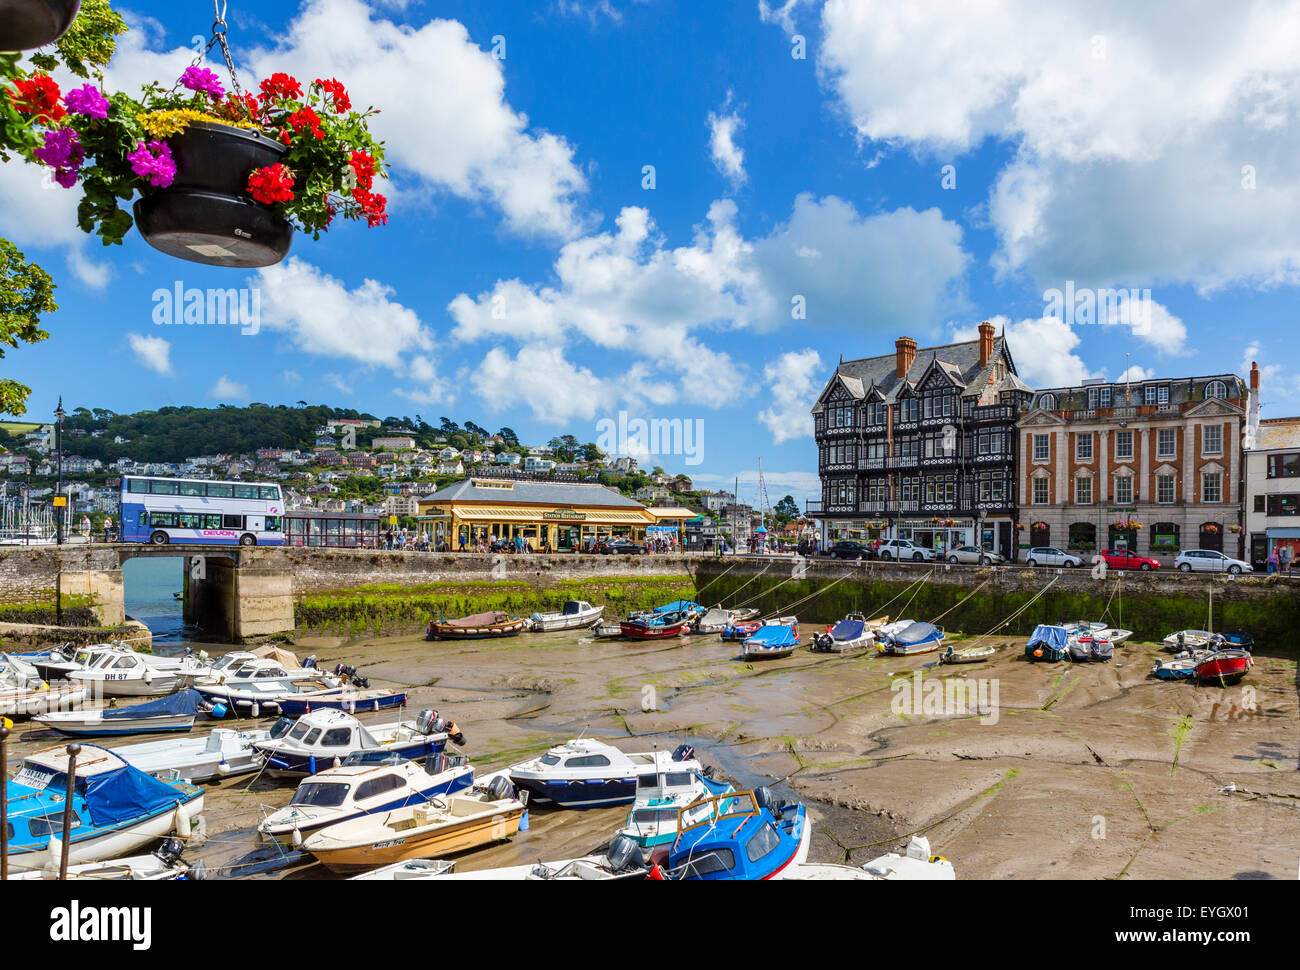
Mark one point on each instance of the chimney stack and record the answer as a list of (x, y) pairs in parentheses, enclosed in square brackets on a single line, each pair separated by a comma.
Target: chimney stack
[(1251, 431), (1254, 376), (986, 343), (904, 354)]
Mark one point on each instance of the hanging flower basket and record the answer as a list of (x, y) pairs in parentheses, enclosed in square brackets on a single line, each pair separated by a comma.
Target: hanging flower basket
[(206, 214), (1234, 529), (1211, 529), (224, 177), (28, 24), (1126, 526), (1040, 525)]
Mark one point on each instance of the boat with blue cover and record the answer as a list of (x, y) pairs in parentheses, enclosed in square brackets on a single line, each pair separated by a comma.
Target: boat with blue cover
[(653, 818), (174, 713), (742, 835), (1048, 643), (116, 807), (772, 641), (586, 773), (324, 738), (854, 632), (916, 637), (367, 782), (687, 608)]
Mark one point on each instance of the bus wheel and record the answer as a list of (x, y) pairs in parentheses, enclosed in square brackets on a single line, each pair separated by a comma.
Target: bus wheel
[(159, 539), (247, 540)]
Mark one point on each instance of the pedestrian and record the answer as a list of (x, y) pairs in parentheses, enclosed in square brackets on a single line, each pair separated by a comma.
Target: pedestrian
[(1272, 562), (1284, 559), (108, 528)]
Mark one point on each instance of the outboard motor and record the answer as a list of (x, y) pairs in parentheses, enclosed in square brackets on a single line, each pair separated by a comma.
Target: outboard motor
[(309, 663), (454, 734), (623, 853), (424, 721), (169, 853), (499, 788), (683, 752), (763, 796)]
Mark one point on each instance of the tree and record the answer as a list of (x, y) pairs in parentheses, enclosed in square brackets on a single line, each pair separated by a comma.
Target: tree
[(509, 435), (590, 452), (786, 510), (26, 292)]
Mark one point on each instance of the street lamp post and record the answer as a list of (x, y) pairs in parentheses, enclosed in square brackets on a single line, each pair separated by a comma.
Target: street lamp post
[(58, 457)]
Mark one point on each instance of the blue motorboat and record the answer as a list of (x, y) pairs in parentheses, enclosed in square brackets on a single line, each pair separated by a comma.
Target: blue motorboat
[(173, 713), (773, 640), (916, 637), (345, 699), (116, 807), (1048, 642), (741, 835), (586, 773), (324, 738)]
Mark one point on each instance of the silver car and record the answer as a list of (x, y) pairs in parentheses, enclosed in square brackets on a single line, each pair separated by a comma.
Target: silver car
[(1208, 560), (1051, 556), (971, 554)]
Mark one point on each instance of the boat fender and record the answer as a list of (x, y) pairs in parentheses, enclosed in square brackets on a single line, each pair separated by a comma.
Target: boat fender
[(523, 821), (219, 710), (337, 761), (182, 821), (223, 768), (278, 763), (311, 763), (296, 838), (256, 710)]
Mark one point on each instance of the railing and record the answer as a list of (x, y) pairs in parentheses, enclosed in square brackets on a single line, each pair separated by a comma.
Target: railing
[(812, 506), (871, 464), (902, 461), (993, 412)]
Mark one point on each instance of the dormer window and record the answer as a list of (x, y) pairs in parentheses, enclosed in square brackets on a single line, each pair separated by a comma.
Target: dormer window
[(1047, 402), (1216, 389)]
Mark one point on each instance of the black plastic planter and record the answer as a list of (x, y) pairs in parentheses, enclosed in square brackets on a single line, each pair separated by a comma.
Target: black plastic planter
[(206, 215), (27, 24)]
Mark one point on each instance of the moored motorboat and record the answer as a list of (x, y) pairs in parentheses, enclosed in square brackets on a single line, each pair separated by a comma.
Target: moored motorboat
[(174, 713), (1048, 643), (1239, 639), (443, 825), (772, 641), (688, 610), (1224, 667), (479, 626), (1182, 667), (586, 773), (125, 673), (623, 860), (854, 632), (1187, 640), (713, 620), (258, 687), (659, 627), (741, 835), (324, 738), (367, 782), (916, 864), (967, 655), (119, 807), (607, 631), (348, 699), (652, 820), (163, 863), (23, 693), (222, 753), (574, 615), (916, 638)]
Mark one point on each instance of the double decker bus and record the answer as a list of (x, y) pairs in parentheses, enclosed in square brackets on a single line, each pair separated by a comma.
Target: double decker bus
[(199, 512)]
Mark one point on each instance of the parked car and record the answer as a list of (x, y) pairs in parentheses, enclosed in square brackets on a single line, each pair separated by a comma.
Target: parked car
[(904, 549), (1051, 556), (972, 554), (1128, 559), (1208, 560), (851, 549), (622, 547)]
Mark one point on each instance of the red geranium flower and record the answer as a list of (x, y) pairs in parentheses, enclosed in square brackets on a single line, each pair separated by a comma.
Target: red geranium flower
[(38, 96), (280, 87), (306, 118), (373, 205), (338, 94), (239, 108), (364, 167), (271, 184)]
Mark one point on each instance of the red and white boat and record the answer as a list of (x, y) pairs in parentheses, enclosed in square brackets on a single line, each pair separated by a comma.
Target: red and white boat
[(646, 628), (1224, 667)]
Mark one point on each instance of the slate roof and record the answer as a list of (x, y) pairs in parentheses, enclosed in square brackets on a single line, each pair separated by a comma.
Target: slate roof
[(532, 492), (960, 360)]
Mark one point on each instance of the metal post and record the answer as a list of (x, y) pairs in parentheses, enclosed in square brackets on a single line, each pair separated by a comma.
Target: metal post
[(73, 750), (58, 488), (4, 803)]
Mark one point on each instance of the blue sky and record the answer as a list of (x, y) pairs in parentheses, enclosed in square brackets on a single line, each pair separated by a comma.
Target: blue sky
[(529, 278)]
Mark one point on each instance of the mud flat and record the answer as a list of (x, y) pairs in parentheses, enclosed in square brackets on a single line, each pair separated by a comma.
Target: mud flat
[(1051, 771)]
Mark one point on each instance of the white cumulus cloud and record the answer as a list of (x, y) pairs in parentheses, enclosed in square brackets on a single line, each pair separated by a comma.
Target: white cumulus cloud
[(153, 352), (794, 380)]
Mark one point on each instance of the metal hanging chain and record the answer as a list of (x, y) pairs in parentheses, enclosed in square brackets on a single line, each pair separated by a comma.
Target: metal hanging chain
[(218, 38)]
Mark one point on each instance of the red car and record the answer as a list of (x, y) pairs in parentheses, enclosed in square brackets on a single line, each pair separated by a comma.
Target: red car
[(1126, 559)]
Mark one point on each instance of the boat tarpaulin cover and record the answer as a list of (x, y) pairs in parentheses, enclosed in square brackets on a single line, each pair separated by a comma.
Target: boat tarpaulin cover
[(679, 606), (772, 636), (182, 702), (1055, 637), (847, 630), (125, 794), (917, 633)]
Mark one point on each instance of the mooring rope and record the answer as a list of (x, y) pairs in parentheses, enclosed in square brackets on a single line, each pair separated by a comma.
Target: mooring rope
[(716, 578), (737, 590), (962, 600), (1018, 612)]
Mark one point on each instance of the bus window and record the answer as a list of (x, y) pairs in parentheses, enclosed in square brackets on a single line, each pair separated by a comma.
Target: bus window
[(137, 485), (232, 521), (158, 487), (163, 520), (220, 490), (273, 523), (190, 521), (194, 488), (212, 522), (245, 491), (270, 493), (144, 518)]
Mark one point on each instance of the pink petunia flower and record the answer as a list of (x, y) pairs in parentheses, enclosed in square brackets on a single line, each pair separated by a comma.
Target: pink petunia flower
[(87, 100)]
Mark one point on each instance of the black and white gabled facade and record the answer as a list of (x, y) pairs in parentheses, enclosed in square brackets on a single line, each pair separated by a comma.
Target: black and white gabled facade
[(921, 444)]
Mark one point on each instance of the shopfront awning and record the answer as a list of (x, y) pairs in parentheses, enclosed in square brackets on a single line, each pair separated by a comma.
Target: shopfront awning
[(1283, 533), (486, 513)]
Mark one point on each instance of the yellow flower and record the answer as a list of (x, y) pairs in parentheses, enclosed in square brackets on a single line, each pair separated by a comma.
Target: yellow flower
[(164, 124)]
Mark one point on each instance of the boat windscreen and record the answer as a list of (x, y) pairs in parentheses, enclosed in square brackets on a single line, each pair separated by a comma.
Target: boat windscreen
[(321, 794)]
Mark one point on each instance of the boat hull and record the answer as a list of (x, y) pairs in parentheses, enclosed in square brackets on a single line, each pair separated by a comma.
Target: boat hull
[(90, 724), (578, 793), (443, 840), (293, 764), (112, 843), (29, 703), (1223, 670), (363, 702), (635, 631)]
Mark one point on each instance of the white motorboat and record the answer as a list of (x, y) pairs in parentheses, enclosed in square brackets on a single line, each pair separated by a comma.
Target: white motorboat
[(586, 773), (173, 713), (622, 860), (854, 632), (257, 686), (653, 819), (367, 782), (222, 753), (24, 694), (227, 665), (1188, 640), (122, 672), (63, 660), (575, 615), (324, 738), (163, 863), (713, 620)]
